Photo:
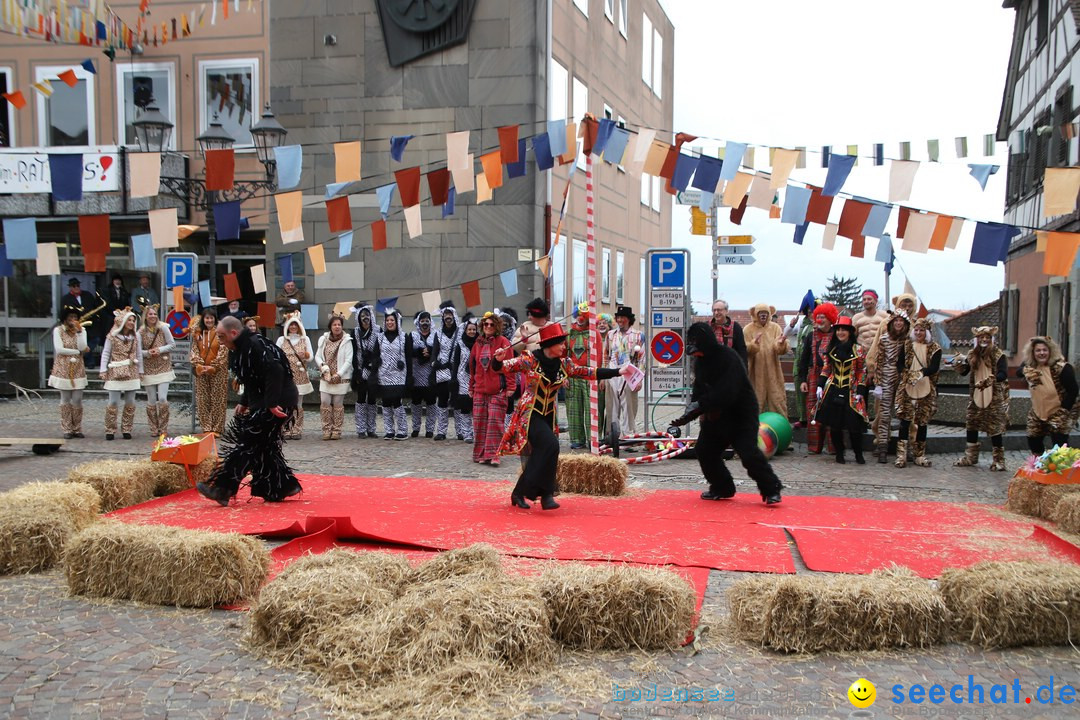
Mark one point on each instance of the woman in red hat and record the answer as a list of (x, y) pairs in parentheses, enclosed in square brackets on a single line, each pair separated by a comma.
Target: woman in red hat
[(841, 390), (532, 427), (811, 363)]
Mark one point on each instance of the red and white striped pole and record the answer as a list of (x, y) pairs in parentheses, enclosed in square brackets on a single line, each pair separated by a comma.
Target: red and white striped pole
[(590, 281)]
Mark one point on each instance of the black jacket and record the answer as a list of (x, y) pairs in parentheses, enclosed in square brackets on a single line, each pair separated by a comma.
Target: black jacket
[(721, 385), (263, 369)]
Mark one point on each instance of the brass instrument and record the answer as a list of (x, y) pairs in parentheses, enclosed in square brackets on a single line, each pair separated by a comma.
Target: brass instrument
[(86, 321)]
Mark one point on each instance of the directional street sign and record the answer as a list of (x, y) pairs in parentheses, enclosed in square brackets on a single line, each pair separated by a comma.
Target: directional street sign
[(735, 250), (735, 240), (688, 197), (666, 319), (667, 347), (700, 222), (726, 260)]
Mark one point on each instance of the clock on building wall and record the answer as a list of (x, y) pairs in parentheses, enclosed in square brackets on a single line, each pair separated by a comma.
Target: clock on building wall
[(414, 28)]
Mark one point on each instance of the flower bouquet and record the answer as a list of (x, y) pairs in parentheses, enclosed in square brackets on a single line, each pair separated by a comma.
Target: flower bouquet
[(184, 449), (1057, 466)]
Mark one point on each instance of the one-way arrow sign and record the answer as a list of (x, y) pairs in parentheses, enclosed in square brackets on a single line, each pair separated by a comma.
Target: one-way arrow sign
[(735, 250), (736, 260)]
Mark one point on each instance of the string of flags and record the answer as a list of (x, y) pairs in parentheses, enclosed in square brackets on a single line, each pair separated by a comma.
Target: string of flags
[(69, 77), (643, 152), (94, 23)]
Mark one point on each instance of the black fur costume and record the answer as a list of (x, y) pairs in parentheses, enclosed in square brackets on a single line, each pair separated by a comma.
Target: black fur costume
[(253, 441)]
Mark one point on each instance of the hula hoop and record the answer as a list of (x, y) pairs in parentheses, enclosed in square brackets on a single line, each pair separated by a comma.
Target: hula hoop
[(679, 446), (656, 404)]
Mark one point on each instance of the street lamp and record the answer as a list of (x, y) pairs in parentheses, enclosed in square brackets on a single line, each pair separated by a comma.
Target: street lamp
[(153, 131)]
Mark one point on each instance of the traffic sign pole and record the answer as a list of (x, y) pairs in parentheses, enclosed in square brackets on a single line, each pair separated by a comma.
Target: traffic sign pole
[(667, 317)]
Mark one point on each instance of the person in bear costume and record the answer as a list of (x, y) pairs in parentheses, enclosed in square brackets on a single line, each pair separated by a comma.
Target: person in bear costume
[(724, 399)]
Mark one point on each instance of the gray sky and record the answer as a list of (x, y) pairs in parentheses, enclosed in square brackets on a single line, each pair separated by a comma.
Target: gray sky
[(794, 73)]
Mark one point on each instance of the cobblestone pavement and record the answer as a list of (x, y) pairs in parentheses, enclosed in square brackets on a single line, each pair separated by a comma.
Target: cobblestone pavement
[(63, 657)]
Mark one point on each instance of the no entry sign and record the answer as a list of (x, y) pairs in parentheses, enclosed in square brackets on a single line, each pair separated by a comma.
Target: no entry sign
[(667, 347), (179, 322)]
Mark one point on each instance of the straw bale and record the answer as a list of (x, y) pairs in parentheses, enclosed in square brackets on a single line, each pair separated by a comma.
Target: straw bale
[(437, 624), (1067, 513), (320, 590), (888, 608), (37, 520), (617, 607), (1036, 499), (1006, 604), (592, 475), (120, 483), (479, 559), (165, 565), (170, 478)]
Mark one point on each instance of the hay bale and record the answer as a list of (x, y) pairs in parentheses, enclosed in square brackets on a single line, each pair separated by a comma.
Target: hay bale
[(591, 475), (38, 519), (1036, 499), (170, 478), (617, 607), (888, 608), (1024, 496), (321, 590), (479, 559), (164, 565), (1067, 513), (120, 483), (1006, 604), (433, 626)]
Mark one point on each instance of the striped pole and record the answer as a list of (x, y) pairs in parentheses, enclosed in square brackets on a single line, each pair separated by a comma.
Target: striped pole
[(590, 282)]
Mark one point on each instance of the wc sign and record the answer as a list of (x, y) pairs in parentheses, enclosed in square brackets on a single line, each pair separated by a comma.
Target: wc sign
[(667, 270)]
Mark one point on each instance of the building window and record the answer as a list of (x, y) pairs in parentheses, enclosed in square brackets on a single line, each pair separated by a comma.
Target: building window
[(646, 50), (138, 84), (605, 275), (658, 62), (580, 266), (1009, 304), (1063, 114), (657, 188), (583, 6), (7, 110), (619, 267), (1042, 20), (621, 122), (558, 277), (66, 118), (1039, 155), (581, 106), (646, 186), (1017, 169), (622, 17), (557, 101), (229, 89), (1052, 313), (609, 10)]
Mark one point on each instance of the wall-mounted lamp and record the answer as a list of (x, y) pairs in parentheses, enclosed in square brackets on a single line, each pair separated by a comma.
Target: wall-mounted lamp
[(329, 40)]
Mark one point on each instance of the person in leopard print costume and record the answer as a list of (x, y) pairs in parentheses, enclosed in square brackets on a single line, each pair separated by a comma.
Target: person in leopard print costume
[(988, 406), (1053, 393)]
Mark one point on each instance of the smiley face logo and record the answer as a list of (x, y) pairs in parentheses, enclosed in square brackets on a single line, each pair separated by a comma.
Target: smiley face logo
[(862, 693)]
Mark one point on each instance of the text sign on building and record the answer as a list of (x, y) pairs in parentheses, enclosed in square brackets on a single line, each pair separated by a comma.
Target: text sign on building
[(667, 298), (24, 173), (665, 379), (667, 270), (667, 319)]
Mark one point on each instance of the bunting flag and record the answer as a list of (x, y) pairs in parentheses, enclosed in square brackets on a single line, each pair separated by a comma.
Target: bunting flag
[(471, 291), (16, 98), (408, 183), (397, 146), (982, 173), (508, 145), (232, 287), (285, 268), (1060, 188), (901, 179), (378, 235), (338, 215), (258, 278), (839, 169), (1060, 253), (290, 210), (220, 169)]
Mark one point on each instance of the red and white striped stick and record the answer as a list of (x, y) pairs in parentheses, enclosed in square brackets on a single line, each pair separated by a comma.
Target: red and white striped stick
[(590, 282)]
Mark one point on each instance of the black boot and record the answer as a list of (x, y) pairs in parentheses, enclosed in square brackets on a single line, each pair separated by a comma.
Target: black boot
[(219, 495), (714, 494), (838, 443), (857, 447), (519, 502), (548, 503)]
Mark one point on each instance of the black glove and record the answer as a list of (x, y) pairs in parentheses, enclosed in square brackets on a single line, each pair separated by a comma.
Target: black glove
[(438, 365), (400, 364), (692, 411)]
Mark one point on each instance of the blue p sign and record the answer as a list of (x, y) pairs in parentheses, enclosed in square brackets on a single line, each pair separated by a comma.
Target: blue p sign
[(179, 271), (668, 270)]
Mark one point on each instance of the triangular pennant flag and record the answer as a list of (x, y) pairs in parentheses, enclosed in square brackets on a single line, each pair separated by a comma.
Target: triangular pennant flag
[(69, 77), (88, 66), (44, 87), (982, 173), (16, 98), (543, 265), (397, 146)]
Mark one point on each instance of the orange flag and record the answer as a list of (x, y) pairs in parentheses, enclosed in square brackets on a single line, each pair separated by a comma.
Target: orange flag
[(471, 290), (940, 238), (1060, 253), (16, 98), (232, 287), (69, 77), (220, 169), (493, 171), (267, 312), (378, 235), (339, 215)]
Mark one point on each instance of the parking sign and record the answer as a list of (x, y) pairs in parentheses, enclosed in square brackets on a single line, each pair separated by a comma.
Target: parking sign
[(667, 270)]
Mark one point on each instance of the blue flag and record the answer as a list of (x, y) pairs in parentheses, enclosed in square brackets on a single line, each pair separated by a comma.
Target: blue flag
[(448, 206), (20, 238), (66, 172), (383, 305), (982, 173), (796, 202), (708, 173), (839, 169), (8, 270), (603, 134), (290, 161), (397, 146), (733, 155), (227, 220), (143, 247), (542, 152), (285, 268), (517, 169), (345, 247), (991, 242), (509, 282), (684, 168), (385, 193), (557, 136)]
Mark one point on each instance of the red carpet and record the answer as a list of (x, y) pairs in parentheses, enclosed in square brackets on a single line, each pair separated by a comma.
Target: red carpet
[(655, 527)]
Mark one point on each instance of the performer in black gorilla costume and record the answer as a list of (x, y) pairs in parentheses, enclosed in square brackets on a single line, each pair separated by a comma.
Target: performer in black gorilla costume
[(724, 400), (253, 438)]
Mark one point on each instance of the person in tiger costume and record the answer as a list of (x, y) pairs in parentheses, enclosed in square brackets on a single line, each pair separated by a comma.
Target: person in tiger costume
[(916, 394), (988, 405), (1053, 393), (121, 367)]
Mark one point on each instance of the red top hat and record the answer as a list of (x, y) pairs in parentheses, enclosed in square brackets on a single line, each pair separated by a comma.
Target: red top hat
[(551, 334)]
